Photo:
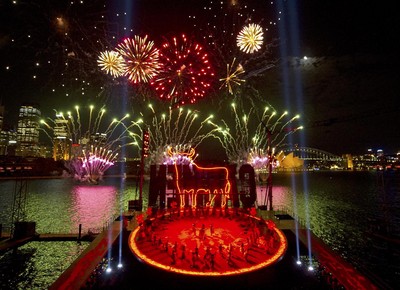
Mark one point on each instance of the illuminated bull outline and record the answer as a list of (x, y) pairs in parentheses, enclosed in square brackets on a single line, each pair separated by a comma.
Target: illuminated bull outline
[(224, 191)]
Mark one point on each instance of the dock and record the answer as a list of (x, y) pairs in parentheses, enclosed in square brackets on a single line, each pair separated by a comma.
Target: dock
[(78, 273), (8, 243)]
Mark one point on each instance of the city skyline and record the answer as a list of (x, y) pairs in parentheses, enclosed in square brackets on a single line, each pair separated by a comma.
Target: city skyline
[(348, 82), (50, 134)]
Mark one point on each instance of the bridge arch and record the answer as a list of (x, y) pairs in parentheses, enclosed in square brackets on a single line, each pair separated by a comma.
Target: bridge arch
[(311, 154)]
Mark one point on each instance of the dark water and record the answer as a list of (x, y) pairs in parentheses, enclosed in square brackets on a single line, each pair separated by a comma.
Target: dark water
[(37, 265), (339, 207), (342, 209)]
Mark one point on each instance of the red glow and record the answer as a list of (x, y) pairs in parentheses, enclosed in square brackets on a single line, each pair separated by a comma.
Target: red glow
[(226, 232)]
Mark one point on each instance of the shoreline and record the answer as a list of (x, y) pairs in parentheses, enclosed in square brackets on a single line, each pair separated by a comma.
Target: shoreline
[(60, 177), (281, 172)]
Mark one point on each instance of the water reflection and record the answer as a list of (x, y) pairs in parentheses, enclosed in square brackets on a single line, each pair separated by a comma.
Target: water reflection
[(60, 205), (93, 205), (281, 196)]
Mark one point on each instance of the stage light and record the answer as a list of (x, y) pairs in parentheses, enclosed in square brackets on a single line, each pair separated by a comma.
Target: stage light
[(298, 262), (119, 265), (109, 270), (310, 268)]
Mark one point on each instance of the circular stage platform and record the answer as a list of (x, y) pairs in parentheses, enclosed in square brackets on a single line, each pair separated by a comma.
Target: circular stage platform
[(212, 242)]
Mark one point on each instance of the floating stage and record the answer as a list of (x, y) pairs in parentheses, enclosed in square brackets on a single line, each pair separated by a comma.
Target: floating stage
[(201, 249), (215, 242)]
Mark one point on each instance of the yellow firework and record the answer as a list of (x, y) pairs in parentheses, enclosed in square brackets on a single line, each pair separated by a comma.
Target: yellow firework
[(232, 76), (250, 38), (111, 62), (141, 58)]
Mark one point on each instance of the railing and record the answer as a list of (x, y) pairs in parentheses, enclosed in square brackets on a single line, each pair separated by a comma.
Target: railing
[(6, 233)]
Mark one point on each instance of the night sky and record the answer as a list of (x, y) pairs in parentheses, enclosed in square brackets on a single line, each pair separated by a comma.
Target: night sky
[(345, 91)]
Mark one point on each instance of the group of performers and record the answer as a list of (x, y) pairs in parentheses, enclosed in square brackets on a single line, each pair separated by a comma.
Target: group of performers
[(206, 244)]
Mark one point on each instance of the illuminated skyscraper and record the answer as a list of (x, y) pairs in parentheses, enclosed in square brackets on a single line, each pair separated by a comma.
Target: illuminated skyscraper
[(28, 130), (62, 140)]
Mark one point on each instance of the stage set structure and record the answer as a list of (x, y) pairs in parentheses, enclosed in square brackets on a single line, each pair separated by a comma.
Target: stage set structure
[(198, 223), (188, 185)]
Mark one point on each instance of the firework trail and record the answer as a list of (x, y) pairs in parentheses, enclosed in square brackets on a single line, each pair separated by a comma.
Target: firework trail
[(247, 138), (179, 129), (90, 150)]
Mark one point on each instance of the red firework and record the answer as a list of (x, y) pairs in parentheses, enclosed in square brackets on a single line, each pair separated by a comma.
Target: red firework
[(186, 72)]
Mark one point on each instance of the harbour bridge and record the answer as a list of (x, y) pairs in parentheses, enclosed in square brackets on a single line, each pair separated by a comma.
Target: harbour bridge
[(312, 154)]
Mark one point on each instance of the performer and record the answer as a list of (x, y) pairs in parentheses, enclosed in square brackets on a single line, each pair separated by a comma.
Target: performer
[(173, 256), (194, 229), (183, 249)]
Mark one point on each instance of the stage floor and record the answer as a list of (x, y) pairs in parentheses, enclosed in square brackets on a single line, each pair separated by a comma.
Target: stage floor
[(284, 274), (220, 244)]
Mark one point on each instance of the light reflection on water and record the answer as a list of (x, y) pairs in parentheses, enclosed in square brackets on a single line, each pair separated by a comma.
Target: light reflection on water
[(92, 205), (60, 205)]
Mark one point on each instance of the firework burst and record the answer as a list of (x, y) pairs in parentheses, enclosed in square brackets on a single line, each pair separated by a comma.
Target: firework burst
[(250, 38), (112, 63), (232, 76), (220, 22), (186, 73), (141, 59)]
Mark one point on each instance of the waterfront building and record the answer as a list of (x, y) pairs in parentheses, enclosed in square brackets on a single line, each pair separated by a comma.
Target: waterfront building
[(348, 161), (8, 141), (28, 130), (100, 139), (62, 142)]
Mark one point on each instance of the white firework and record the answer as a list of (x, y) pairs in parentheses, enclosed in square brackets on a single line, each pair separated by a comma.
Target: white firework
[(111, 62)]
